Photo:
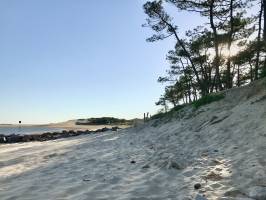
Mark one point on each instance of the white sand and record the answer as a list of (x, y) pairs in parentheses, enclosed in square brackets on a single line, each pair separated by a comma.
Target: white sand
[(221, 145)]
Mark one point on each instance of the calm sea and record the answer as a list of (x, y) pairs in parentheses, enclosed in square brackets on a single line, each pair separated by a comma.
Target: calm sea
[(7, 130)]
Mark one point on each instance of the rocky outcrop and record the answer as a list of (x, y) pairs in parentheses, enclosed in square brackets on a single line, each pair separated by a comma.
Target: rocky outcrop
[(14, 138)]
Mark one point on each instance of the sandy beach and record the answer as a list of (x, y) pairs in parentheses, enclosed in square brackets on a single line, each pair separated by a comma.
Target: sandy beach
[(222, 151), (133, 100)]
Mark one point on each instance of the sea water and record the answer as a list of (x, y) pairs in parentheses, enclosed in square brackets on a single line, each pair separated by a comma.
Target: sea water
[(26, 130)]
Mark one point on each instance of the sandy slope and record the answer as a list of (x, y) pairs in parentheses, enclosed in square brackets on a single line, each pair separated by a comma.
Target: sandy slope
[(222, 146)]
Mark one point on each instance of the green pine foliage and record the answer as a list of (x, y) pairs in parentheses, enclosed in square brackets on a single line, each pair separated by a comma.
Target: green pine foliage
[(207, 100), (169, 114), (103, 121), (228, 51)]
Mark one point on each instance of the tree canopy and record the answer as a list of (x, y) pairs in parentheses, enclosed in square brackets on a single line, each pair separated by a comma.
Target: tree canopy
[(227, 51)]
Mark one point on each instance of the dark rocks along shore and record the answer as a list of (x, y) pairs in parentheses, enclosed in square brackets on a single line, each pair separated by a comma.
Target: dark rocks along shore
[(14, 138)]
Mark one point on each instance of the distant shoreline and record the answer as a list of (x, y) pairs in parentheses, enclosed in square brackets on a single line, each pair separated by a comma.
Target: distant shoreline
[(69, 125), (38, 129)]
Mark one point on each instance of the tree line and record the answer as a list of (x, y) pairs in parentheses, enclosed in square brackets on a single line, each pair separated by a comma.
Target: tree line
[(229, 50)]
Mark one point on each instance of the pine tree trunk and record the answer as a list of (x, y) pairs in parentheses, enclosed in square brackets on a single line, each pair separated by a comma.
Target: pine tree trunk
[(264, 32), (218, 83), (264, 10), (258, 41), (230, 39), (251, 72), (238, 76)]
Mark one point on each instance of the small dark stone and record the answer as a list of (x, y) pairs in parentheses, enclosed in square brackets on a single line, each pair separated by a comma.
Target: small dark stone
[(105, 129), (115, 128), (133, 162), (175, 165), (146, 167), (216, 150), (197, 186)]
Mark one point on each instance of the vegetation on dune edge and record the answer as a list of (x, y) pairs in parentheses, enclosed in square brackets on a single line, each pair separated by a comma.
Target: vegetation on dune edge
[(228, 51), (196, 104), (207, 99)]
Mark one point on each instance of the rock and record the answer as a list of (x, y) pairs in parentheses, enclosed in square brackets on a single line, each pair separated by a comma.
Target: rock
[(257, 192), (197, 186), (115, 128), (199, 197), (44, 137), (74, 133), (2, 139), (80, 132), (88, 132), (174, 165), (105, 129), (86, 178), (26, 138), (146, 167), (14, 138)]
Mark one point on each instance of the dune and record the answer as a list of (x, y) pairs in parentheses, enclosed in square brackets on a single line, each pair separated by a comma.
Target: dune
[(71, 125), (216, 152)]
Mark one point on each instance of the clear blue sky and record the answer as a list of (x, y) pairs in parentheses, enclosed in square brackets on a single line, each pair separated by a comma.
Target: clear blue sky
[(67, 59)]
